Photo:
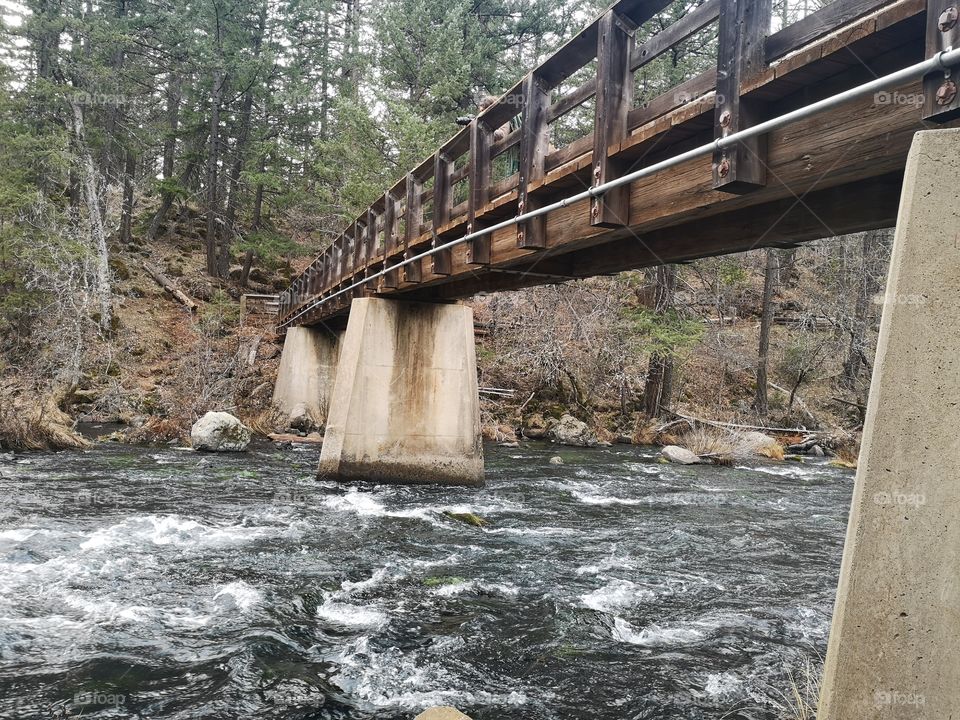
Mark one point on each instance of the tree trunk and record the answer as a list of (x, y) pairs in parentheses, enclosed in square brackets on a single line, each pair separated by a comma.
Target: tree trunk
[(858, 330), (212, 179), (95, 218), (659, 384), (126, 217), (174, 84), (760, 402)]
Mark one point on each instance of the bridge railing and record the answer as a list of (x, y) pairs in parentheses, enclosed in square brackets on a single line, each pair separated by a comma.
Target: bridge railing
[(503, 163)]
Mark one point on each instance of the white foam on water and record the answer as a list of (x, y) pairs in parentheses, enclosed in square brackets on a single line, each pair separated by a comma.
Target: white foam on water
[(352, 615), (592, 499), (532, 532), (176, 531), (409, 681), (365, 504), (655, 635), (476, 587), (616, 595), (237, 595), (720, 684)]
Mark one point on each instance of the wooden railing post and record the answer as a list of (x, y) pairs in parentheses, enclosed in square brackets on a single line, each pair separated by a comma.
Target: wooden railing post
[(412, 272), (941, 99), (744, 25), (614, 99), (478, 180), (534, 143), (442, 168), (391, 240)]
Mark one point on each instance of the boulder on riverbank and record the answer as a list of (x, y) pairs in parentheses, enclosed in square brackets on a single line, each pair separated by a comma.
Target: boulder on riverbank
[(570, 431), (220, 432), (758, 443), (679, 455)]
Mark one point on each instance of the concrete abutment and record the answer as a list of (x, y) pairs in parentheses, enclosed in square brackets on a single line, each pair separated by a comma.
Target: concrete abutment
[(894, 649), (308, 365), (405, 406)]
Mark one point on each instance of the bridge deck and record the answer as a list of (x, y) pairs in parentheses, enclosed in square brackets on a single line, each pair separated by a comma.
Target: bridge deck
[(830, 174)]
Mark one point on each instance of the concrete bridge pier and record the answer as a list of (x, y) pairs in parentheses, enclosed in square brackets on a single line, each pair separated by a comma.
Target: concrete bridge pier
[(405, 406), (308, 366), (894, 650)]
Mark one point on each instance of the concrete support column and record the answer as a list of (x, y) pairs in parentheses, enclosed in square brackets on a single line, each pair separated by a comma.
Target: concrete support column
[(405, 407), (308, 366), (894, 649)]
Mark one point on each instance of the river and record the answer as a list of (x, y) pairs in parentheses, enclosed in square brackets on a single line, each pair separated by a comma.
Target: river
[(161, 583)]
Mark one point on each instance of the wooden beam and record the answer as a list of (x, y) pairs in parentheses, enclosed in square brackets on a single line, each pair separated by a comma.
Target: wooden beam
[(816, 25), (534, 144), (478, 179), (412, 273), (740, 55), (941, 99), (614, 101), (442, 170)]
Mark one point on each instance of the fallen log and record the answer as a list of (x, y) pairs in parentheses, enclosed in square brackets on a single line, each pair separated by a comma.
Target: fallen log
[(735, 426), (167, 284)]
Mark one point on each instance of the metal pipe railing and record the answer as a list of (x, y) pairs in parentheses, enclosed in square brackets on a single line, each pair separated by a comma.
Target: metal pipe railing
[(941, 61)]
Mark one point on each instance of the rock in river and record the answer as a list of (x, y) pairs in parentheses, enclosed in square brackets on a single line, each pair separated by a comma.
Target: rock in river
[(570, 431), (220, 431), (677, 454)]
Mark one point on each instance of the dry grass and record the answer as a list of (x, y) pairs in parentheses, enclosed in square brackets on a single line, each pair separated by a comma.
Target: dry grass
[(799, 700), (724, 446), (161, 430), (39, 425), (267, 421)]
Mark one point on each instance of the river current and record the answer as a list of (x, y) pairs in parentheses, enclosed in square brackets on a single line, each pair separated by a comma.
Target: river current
[(162, 583)]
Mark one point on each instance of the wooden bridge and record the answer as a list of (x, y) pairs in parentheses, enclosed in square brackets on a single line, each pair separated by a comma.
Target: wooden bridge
[(837, 172), (804, 133)]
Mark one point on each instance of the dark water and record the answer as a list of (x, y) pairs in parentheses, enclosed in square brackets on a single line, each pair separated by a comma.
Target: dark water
[(145, 583)]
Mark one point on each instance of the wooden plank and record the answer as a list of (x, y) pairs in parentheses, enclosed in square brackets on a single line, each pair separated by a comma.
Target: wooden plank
[(534, 144), (817, 24), (442, 168), (614, 100), (572, 99), (478, 194), (412, 273), (941, 99), (743, 27), (691, 23)]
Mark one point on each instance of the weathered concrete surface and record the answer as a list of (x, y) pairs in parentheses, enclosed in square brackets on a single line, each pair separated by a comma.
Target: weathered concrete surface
[(442, 713), (308, 366), (405, 406), (894, 651)]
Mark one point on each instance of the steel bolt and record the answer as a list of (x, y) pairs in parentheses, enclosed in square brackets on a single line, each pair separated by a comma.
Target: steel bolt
[(595, 210), (520, 206), (724, 168), (725, 118), (948, 19), (946, 93), (519, 235), (596, 172)]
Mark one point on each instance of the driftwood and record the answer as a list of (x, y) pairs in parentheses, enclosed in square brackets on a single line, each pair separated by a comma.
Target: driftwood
[(252, 352), (734, 426), (167, 284)]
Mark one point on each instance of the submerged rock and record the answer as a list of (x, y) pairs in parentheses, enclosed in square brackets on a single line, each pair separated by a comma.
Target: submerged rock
[(570, 431), (535, 427), (556, 460), (220, 432), (468, 518), (679, 455)]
